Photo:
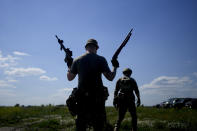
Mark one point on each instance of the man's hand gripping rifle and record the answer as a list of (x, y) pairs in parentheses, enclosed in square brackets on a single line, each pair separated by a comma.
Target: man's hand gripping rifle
[(68, 59), (115, 56)]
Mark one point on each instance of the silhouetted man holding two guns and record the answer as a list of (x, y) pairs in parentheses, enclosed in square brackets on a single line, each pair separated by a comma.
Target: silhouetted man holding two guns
[(88, 100), (91, 103)]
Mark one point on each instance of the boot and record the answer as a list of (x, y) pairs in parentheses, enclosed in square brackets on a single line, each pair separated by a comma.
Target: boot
[(116, 128)]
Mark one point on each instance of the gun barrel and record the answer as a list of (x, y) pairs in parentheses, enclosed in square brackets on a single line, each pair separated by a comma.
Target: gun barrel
[(115, 56), (56, 37), (131, 30)]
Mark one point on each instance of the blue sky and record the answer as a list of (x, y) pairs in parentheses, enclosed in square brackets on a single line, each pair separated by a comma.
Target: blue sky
[(161, 51)]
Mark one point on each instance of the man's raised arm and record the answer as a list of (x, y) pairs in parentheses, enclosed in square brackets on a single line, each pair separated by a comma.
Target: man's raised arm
[(110, 75), (70, 75)]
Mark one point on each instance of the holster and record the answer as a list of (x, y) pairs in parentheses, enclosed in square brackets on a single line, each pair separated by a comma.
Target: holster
[(79, 94), (71, 102), (105, 93), (118, 99)]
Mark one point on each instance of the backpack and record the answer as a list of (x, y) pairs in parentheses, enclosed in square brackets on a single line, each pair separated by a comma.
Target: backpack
[(125, 85), (126, 89)]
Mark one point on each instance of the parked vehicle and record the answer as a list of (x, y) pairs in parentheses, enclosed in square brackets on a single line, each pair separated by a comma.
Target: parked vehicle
[(180, 102), (161, 105), (191, 104), (169, 103), (166, 104)]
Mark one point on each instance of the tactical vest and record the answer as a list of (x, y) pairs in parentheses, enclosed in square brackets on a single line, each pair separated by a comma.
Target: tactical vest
[(126, 88)]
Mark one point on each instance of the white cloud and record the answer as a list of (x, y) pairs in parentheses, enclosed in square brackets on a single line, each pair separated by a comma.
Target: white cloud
[(6, 93), (67, 89), (5, 84), (20, 53), (58, 97), (195, 74), (165, 87), (64, 92), (7, 61), (21, 72), (168, 82), (46, 78), (8, 97), (12, 80)]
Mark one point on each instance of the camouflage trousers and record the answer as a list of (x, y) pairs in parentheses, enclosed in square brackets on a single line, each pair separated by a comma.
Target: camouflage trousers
[(121, 113), (91, 112)]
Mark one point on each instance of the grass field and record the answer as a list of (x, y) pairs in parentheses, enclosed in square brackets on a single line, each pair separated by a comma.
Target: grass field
[(46, 118)]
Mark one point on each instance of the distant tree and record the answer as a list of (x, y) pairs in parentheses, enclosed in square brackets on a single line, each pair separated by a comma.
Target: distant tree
[(29, 106), (17, 105), (62, 105)]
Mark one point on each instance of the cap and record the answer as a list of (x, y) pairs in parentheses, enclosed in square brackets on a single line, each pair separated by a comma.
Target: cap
[(93, 42), (127, 71)]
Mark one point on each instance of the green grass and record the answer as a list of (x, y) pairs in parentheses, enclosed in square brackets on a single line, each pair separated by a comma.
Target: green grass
[(58, 118), (154, 119)]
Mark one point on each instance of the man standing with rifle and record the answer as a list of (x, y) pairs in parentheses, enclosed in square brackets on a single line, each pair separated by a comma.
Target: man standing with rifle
[(91, 94)]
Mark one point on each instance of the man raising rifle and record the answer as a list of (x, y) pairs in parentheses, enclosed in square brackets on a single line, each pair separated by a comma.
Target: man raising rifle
[(90, 94), (91, 102)]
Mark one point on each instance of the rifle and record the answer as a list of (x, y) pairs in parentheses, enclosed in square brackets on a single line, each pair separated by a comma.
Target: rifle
[(115, 56), (68, 59)]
